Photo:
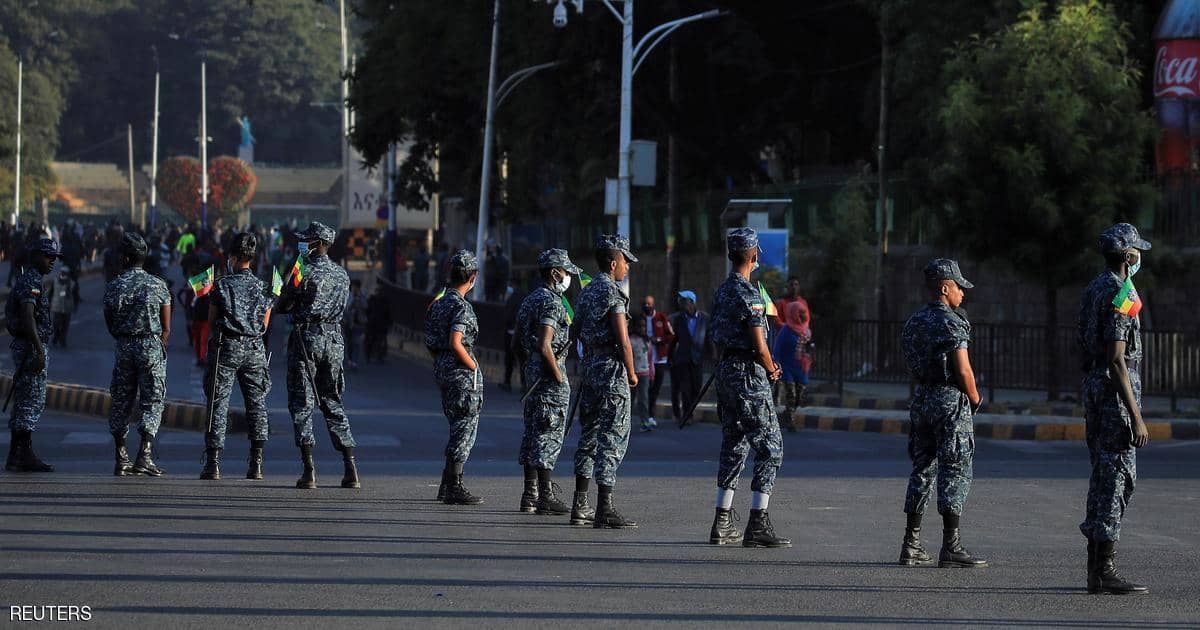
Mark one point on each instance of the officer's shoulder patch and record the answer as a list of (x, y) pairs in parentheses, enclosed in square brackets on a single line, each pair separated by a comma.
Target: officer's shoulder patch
[(35, 291)]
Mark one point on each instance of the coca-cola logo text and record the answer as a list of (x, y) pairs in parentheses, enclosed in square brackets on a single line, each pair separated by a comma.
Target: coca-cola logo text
[(1176, 70)]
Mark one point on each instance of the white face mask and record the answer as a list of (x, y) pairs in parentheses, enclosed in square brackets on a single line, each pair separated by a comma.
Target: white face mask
[(564, 284)]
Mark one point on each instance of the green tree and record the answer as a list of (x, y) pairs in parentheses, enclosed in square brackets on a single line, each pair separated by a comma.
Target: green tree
[(1044, 141), (40, 113)]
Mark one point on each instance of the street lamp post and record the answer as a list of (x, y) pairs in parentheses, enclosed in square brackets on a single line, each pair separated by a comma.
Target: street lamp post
[(486, 175), (17, 180), (154, 148), (203, 143)]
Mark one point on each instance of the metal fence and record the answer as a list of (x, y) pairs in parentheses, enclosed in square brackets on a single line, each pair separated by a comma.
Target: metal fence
[(1007, 356)]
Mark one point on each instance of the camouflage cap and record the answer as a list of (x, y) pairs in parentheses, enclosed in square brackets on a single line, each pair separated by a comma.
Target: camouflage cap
[(617, 242), (133, 244), (741, 239), (1121, 237), (465, 260), (557, 259), (47, 246), (317, 231), (945, 269)]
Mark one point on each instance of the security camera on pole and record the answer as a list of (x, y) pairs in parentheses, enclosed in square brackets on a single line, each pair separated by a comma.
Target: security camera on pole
[(632, 56)]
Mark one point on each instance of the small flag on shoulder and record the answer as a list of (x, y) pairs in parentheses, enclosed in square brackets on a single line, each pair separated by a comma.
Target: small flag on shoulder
[(768, 303), (298, 271), (202, 283), (1127, 301), (570, 311)]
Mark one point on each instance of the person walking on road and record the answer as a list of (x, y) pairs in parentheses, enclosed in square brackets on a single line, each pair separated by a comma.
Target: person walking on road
[(27, 313), (656, 327), (793, 352), (743, 377), (315, 294), (608, 378), (688, 350), (64, 301), (1111, 344), (941, 437), (240, 311), (450, 332), (137, 310), (543, 336)]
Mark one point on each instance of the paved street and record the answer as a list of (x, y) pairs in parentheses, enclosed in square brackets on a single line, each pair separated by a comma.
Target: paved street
[(176, 551)]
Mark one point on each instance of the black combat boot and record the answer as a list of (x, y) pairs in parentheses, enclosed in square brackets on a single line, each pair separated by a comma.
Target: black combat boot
[(548, 502), (441, 496), (529, 496), (953, 554), (607, 516), (456, 492), (1093, 580), (212, 464), (145, 459), (912, 553), (308, 478), (21, 457), (760, 532), (350, 478), (254, 463), (723, 531), (1106, 576), (123, 467)]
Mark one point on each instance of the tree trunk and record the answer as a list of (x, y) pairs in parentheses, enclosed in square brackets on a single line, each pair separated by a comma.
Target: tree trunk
[(673, 218), (1050, 345)]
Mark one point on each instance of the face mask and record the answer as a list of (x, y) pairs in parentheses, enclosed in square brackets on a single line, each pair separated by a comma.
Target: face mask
[(755, 267), (564, 284), (1135, 267), (303, 248)]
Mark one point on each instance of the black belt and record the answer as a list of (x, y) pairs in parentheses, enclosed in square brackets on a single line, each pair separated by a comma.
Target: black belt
[(605, 350), (739, 354), (306, 325), (139, 336)]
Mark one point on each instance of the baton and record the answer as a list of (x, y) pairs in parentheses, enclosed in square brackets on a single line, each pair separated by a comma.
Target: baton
[(687, 417), (212, 395), (12, 388), (571, 413), (531, 388)]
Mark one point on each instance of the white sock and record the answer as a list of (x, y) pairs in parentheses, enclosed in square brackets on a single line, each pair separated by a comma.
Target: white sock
[(759, 501), (724, 498)]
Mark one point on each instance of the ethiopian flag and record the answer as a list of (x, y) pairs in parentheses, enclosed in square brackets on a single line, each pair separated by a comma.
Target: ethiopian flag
[(202, 283), (769, 304), (298, 271), (1127, 300), (584, 280), (276, 282), (570, 311)]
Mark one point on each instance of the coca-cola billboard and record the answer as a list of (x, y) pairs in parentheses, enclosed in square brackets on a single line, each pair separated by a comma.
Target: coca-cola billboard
[(1177, 69), (1177, 88)]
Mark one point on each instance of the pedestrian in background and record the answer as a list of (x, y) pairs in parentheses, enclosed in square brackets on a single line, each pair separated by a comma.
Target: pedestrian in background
[(793, 352), (379, 322), (64, 292), (512, 303), (689, 347), (354, 320), (657, 329), (643, 366)]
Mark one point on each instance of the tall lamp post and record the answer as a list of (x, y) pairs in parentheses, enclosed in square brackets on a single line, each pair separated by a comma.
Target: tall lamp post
[(154, 146), (17, 180), (632, 57), (204, 139)]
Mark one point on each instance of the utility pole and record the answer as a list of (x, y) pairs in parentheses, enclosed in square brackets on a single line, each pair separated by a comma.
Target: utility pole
[(132, 201), (673, 218), (345, 109), (389, 238), (17, 181), (203, 142), (154, 150), (486, 174), (626, 133)]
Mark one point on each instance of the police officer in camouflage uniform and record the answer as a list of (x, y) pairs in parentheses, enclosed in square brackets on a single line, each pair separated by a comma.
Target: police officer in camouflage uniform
[(450, 332), (316, 352), (240, 310), (941, 437), (608, 378), (137, 310), (1111, 346), (744, 376), (27, 313), (543, 331)]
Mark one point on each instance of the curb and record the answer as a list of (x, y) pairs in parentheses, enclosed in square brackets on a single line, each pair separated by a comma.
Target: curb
[(181, 415)]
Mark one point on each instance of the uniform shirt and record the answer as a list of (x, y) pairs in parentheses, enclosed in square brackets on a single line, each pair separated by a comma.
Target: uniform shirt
[(737, 308), (28, 290), (928, 336), (543, 307), (133, 302), (242, 301), (322, 294), (1100, 324), (597, 302), (449, 314)]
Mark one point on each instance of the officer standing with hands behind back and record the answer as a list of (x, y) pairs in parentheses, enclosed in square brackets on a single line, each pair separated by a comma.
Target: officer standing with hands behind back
[(27, 312), (744, 407), (941, 437), (315, 294), (1111, 343)]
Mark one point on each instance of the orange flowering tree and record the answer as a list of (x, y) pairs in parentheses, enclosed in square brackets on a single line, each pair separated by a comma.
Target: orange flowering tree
[(179, 185), (231, 185)]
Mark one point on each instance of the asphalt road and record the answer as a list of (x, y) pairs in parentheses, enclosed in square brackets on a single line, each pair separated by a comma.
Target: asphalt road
[(180, 552)]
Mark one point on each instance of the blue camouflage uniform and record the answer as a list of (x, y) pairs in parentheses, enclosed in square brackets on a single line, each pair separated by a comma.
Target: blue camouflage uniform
[(604, 397), (941, 436), (133, 303), (316, 350), (236, 353), (546, 405), (461, 387), (1109, 430), (29, 387), (744, 408)]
